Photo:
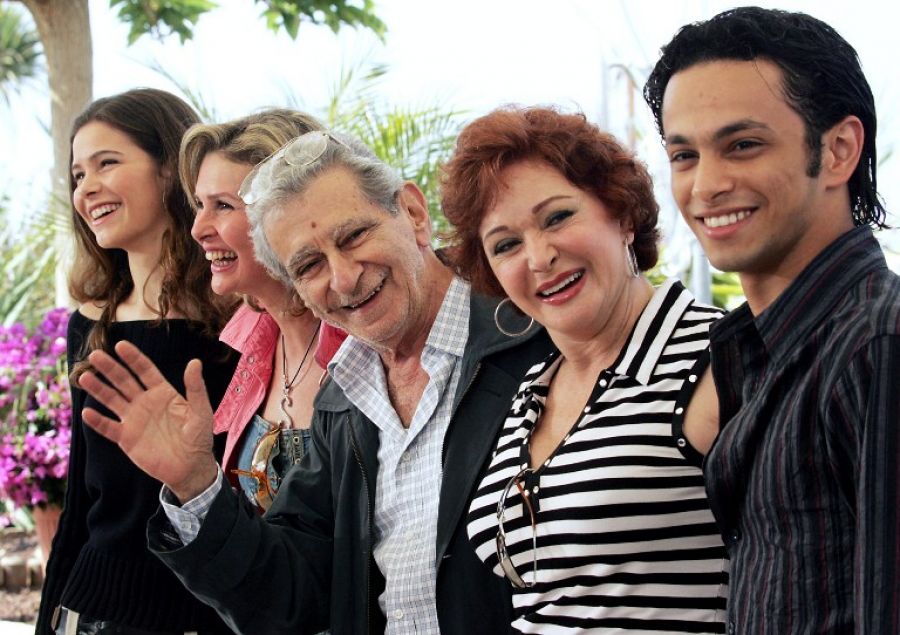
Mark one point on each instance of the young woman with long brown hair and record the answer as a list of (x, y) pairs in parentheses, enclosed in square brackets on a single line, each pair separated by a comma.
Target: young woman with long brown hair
[(138, 276)]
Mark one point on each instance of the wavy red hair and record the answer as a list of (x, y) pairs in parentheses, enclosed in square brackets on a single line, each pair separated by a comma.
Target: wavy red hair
[(589, 158)]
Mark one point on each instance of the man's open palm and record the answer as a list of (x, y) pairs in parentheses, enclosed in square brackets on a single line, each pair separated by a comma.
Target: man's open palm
[(164, 434)]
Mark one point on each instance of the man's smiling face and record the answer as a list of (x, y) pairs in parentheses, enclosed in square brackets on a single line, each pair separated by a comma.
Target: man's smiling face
[(739, 162), (354, 264)]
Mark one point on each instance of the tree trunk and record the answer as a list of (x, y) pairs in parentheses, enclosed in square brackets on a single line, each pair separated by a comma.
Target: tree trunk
[(65, 30)]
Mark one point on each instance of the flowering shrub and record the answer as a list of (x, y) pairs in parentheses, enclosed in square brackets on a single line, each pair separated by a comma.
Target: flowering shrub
[(35, 412)]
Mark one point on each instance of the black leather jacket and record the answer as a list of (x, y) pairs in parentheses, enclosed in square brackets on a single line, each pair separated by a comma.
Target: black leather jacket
[(308, 563)]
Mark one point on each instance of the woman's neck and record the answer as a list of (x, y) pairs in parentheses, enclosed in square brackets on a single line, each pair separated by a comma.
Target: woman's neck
[(298, 332), (143, 301), (602, 349), (297, 329)]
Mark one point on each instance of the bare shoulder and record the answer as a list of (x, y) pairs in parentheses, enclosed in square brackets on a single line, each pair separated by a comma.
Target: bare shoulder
[(701, 421)]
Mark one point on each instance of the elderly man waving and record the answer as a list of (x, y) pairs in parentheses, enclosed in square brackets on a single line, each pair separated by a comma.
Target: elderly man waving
[(367, 534)]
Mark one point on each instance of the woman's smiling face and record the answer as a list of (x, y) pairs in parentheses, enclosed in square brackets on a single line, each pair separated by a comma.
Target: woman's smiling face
[(222, 229), (556, 250), (118, 189)]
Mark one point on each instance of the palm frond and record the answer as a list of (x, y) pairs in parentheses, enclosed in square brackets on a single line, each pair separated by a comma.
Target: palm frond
[(20, 52), (195, 98), (28, 257)]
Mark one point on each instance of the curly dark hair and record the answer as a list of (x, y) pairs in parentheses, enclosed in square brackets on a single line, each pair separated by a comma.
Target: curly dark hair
[(589, 158), (823, 82)]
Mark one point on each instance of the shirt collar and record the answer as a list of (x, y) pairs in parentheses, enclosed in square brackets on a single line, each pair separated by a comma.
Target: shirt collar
[(249, 330), (647, 340), (827, 280), (448, 333), (450, 330), (653, 330)]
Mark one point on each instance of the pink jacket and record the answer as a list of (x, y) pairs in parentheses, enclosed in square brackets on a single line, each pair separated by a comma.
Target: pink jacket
[(254, 335)]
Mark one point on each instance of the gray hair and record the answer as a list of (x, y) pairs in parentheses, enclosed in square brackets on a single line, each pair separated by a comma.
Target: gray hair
[(377, 181)]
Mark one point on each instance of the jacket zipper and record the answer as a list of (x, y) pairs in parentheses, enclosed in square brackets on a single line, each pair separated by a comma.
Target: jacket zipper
[(357, 455)]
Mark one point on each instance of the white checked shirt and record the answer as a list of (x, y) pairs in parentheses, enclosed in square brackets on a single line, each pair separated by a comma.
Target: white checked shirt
[(409, 462), (409, 465)]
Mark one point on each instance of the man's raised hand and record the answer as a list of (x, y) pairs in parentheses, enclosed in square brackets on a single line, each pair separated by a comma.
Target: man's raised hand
[(164, 434)]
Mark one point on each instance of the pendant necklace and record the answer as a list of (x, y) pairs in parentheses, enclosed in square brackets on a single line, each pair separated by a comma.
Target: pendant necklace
[(287, 386)]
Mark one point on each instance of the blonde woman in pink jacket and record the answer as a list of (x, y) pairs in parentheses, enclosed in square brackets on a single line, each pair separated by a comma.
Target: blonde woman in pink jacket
[(267, 408)]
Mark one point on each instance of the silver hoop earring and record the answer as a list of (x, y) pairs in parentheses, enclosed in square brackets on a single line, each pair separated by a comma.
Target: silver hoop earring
[(631, 259), (503, 330)]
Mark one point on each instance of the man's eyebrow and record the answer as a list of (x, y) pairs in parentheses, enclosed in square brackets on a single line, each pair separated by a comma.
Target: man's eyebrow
[(727, 130), (337, 234), (298, 257), (339, 231), (739, 126)]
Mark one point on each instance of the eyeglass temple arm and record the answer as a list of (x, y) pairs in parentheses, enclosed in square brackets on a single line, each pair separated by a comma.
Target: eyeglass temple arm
[(527, 500)]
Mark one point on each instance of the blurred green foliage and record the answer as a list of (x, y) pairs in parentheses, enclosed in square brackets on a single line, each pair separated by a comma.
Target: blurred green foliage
[(28, 256), (161, 18), (20, 51)]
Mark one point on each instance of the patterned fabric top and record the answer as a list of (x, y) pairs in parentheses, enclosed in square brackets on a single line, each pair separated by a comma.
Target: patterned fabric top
[(804, 478), (409, 462), (625, 536)]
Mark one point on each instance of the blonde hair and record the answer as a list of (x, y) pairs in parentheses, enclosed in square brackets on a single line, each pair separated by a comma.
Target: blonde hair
[(247, 140)]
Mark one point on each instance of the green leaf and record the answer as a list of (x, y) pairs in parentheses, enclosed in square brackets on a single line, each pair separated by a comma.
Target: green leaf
[(288, 14), (20, 52), (160, 18), (28, 258)]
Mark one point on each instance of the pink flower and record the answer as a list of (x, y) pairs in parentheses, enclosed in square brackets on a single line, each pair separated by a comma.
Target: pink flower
[(35, 412)]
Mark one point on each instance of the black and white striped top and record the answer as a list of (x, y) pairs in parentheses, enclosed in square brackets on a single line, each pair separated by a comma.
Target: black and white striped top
[(626, 542)]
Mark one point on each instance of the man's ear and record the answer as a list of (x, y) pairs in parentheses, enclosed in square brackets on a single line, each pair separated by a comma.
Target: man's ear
[(841, 150), (411, 201)]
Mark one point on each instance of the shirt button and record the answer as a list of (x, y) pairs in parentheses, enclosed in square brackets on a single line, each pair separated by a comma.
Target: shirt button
[(244, 374), (237, 389), (678, 411), (185, 524), (692, 378), (732, 629), (251, 359), (735, 535), (603, 383), (398, 614), (681, 443)]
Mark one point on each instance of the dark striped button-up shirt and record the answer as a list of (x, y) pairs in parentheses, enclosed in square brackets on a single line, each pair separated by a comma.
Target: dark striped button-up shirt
[(803, 479)]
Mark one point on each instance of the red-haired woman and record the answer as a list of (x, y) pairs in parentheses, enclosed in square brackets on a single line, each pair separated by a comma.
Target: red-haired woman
[(593, 505)]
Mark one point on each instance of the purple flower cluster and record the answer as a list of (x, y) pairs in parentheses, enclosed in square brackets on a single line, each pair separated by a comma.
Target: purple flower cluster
[(35, 412)]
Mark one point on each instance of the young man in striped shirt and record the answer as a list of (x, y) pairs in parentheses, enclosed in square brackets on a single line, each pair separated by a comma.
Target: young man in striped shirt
[(769, 124)]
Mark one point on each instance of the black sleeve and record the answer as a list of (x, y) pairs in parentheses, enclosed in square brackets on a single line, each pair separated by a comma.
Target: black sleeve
[(275, 568), (72, 532)]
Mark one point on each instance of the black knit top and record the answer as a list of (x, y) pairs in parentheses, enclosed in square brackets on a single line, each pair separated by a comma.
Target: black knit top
[(99, 565)]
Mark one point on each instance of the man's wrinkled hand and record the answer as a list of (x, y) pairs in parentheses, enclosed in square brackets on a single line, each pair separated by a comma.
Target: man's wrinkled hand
[(166, 435)]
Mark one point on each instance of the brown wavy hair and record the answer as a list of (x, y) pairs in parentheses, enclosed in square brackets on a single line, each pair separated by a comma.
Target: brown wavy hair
[(589, 158), (155, 121), (248, 140)]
